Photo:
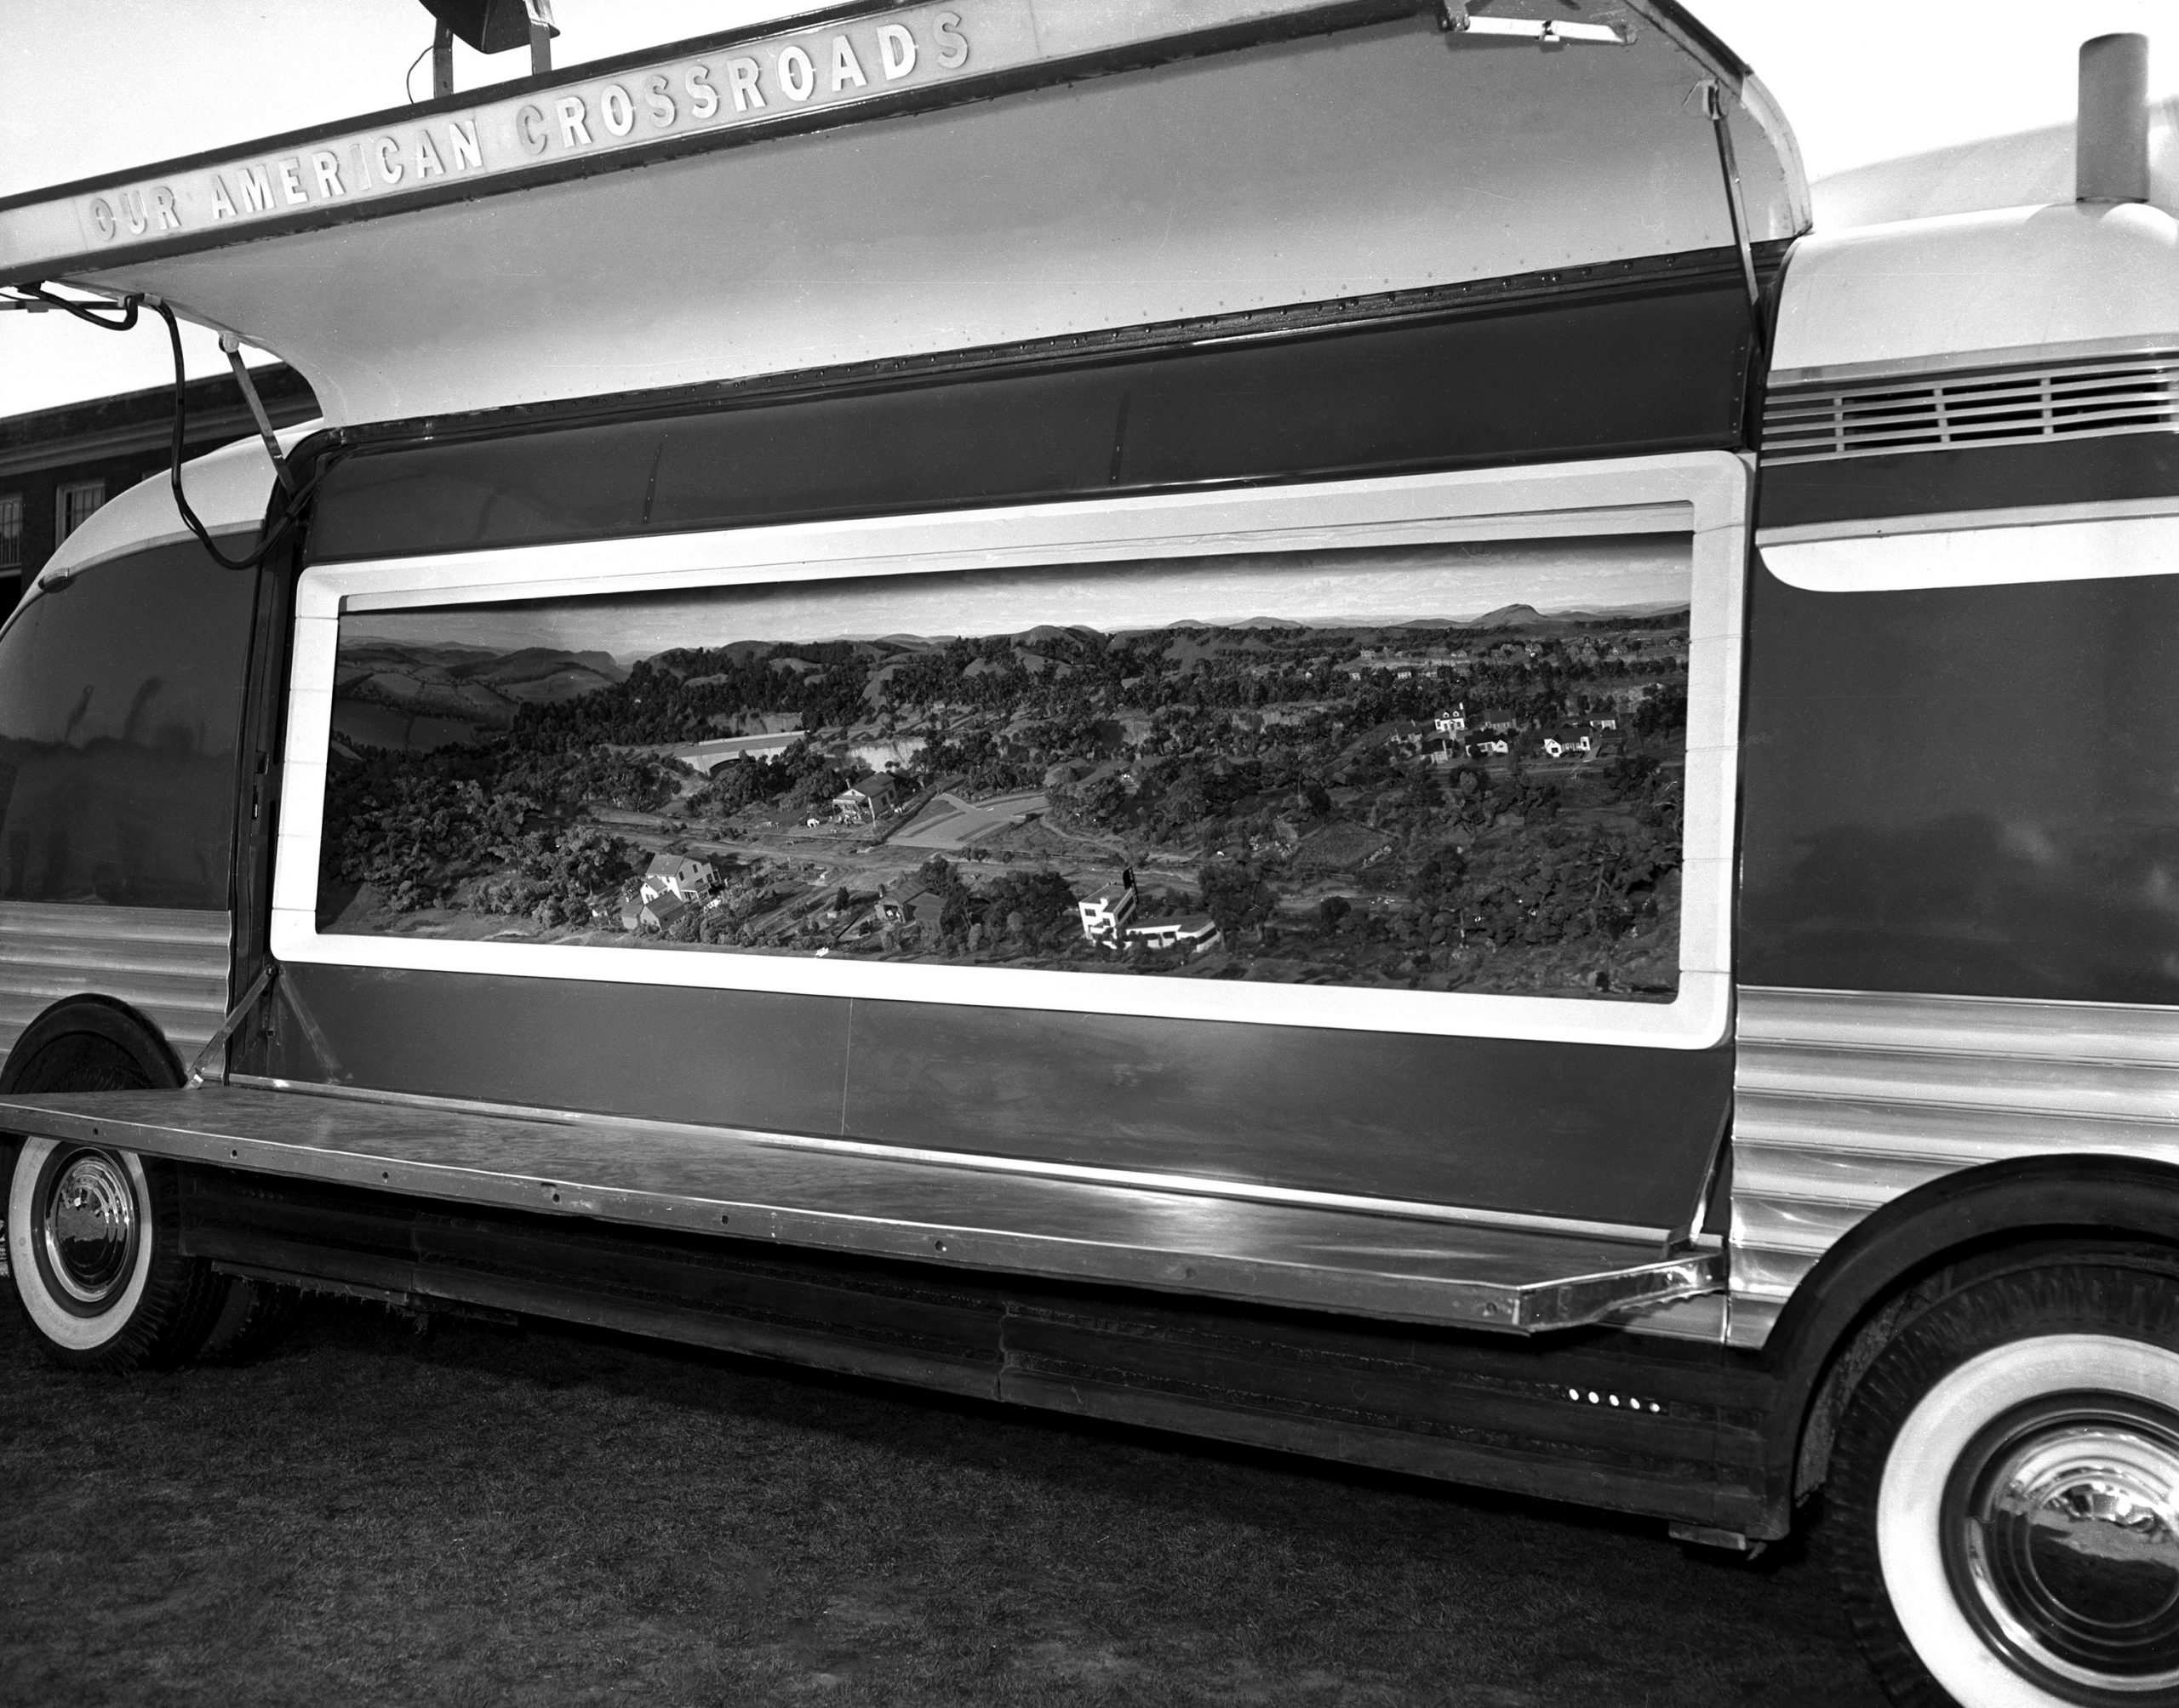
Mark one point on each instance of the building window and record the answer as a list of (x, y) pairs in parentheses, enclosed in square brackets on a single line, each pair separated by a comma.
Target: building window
[(73, 505), (11, 533)]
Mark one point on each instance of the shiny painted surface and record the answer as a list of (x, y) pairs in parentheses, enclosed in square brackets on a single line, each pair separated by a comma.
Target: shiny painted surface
[(228, 488), (1965, 789), (1907, 296), (1592, 1133), (1901, 488), (120, 692), (168, 963), (1844, 1100), (1656, 349), (729, 1183)]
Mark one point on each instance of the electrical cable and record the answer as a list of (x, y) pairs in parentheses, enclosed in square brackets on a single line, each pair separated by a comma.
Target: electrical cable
[(83, 311), (289, 514), (405, 75)]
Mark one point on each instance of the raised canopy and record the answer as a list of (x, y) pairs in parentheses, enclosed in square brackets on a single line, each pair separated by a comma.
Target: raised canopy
[(898, 181)]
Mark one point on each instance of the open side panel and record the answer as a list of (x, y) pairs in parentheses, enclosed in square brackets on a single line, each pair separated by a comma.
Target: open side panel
[(1440, 966), (1035, 171)]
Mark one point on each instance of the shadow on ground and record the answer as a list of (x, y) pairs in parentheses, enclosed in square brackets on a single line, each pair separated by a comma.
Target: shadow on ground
[(552, 1516)]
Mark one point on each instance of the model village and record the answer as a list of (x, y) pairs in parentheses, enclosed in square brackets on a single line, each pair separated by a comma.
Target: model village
[(1491, 806)]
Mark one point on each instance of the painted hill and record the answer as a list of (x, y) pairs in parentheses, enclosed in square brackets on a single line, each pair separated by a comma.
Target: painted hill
[(466, 684)]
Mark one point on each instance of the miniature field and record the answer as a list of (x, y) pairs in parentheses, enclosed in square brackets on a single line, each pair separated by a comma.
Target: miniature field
[(554, 1518), (1487, 807)]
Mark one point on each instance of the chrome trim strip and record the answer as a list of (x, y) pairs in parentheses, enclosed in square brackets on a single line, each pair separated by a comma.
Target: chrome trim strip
[(1968, 361), (1191, 1185), (1843, 1100), (1965, 521), (169, 963), (1699, 1317)]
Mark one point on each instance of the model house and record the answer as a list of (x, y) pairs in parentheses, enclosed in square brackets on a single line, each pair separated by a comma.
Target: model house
[(1197, 933), (865, 801), (677, 876), (663, 910), (910, 903), (1105, 915)]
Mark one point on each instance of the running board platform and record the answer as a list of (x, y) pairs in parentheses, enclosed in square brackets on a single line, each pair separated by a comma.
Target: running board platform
[(738, 1185)]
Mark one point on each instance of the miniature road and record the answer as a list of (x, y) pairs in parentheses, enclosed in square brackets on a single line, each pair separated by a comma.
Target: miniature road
[(951, 822), (554, 1517)]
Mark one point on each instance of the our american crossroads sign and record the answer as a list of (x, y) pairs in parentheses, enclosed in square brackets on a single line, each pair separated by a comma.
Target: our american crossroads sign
[(777, 81)]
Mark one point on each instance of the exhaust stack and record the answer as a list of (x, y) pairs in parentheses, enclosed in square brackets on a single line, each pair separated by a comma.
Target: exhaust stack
[(2110, 134)]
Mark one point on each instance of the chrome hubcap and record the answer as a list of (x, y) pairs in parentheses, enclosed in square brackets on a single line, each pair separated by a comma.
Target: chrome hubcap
[(2066, 1532), (90, 1228)]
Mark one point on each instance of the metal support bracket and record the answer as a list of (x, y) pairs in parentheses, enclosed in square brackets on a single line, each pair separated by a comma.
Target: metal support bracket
[(212, 1058), (232, 346), (1454, 16), (1711, 95)]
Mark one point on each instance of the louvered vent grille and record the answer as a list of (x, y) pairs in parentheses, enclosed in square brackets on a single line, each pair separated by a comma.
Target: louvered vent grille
[(2130, 394)]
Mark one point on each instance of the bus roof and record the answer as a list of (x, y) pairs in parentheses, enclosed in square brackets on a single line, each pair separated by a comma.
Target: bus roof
[(886, 182)]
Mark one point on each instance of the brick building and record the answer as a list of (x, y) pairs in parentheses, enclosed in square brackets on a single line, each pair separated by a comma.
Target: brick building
[(58, 465)]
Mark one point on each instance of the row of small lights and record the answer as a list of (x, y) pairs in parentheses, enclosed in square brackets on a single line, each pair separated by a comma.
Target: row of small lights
[(1596, 1399)]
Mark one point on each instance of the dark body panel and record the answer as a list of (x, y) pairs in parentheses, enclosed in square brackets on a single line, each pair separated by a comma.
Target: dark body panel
[(1965, 789), (1556, 1416), (745, 1058), (1589, 1131), (1924, 482), (1634, 357), (121, 696), (1586, 1131), (1622, 359)]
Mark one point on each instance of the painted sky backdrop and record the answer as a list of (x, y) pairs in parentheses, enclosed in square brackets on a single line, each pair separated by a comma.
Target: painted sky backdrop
[(1458, 583)]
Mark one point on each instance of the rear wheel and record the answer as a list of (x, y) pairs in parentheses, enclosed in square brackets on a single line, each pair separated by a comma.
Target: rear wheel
[(2007, 1485)]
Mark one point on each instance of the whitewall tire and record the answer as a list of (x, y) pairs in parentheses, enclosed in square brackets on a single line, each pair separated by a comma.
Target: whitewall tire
[(2007, 1481), (94, 1258)]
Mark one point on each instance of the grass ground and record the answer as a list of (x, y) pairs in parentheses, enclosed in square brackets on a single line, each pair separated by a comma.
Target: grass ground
[(551, 1518)]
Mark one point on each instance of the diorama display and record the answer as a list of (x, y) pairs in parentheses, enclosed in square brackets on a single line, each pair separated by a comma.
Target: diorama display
[(1454, 768)]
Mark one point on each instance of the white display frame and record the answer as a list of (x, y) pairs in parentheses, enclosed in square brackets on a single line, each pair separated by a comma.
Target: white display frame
[(1701, 494)]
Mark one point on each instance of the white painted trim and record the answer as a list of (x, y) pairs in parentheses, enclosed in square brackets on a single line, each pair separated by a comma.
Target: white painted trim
[(1843, 374), (1705, 493), (2090, 544)]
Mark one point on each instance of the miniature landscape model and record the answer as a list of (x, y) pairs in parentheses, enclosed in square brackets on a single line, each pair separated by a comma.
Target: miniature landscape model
[(1486, 800)]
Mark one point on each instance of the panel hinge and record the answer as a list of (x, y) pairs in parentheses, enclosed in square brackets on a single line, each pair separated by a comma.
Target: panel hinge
[(1710, 100), (1453, 15), (232, 346)]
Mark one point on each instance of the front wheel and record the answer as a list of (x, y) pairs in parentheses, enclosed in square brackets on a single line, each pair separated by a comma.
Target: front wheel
[(92, 1241), (2007, 1485)]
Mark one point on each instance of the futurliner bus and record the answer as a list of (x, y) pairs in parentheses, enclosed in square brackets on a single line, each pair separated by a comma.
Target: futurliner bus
[(1277, 719)]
